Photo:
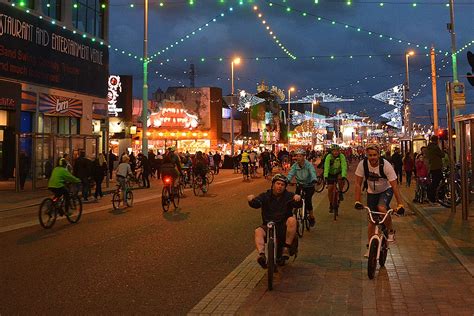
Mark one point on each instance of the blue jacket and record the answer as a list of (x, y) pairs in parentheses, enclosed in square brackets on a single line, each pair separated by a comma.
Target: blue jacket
[(304, 175)]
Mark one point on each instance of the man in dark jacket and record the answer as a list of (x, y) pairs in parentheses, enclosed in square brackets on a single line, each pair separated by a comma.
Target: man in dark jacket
[(435, 155), (217, 160), (144, 163), (397, 162), (277, 205), (83, 170)]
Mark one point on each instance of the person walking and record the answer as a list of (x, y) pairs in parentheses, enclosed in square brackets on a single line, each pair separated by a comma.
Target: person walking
[(217, 161), (82, 170), (144, 163), (99, 172), (397, 162), (112, 159), (408, 166), (24, 168), (435, 156), (159, 162)]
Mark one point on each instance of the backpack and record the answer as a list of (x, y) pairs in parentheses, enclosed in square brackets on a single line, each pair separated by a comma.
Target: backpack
[(366, 171)]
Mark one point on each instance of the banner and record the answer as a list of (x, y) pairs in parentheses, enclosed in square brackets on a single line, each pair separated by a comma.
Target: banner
[(60, 106), (37, 51), (10, 95)]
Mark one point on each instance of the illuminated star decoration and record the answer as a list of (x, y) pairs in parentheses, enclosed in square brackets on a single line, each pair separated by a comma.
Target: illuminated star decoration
[(394, 97), (247, 100), (322, 97), (345, 116), (298, 118)]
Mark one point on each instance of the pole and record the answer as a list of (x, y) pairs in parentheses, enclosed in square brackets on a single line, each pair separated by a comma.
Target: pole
[(288, 118), (455, 66), (145, 83), (312, 125), (433, 89), (449, 108), (407, 98), (232, 111)]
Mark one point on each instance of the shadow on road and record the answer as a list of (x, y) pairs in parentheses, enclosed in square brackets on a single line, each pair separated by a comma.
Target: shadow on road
[(176, 215), (44, 233)]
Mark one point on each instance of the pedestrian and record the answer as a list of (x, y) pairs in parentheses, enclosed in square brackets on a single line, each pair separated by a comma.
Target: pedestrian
[(397, 162), (408, 166), (99, 172), (82, 170), (210, 158), (159, 163), (217, 161), (435, 157), (68, 162), (152, 160), (144, 163), (112, 159), (133, 162), (24, 168)]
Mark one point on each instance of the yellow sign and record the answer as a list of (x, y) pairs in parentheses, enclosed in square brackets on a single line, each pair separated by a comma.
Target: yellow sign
[(458, 95)]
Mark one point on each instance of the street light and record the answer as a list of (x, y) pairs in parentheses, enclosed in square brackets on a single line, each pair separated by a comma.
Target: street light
[(312, 122), (338, 132), (145, 82), (406, 99), (235, 61), (291, 89)]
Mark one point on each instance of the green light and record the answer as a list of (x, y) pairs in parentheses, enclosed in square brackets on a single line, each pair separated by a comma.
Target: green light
[(102, 5), (333, 22), (161, 4), (241, 2), (332, 57), (22, 3), (203, 59), (288, 9), (304, 13), (414, 4), (191, 2), (75, 5), (381, 4), (84, 35), (132, 5), (48, 5), (316, 1), (349, 2)]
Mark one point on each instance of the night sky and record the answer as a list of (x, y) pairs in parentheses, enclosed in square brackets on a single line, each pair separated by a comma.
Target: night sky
[(241, 33)]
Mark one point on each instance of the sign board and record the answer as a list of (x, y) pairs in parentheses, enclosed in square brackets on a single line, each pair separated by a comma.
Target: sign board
[(10, 95), (458, 95), (60, 106), (36, 51)]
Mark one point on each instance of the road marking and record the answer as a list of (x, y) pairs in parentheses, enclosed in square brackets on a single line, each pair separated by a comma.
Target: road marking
[(93, 210)]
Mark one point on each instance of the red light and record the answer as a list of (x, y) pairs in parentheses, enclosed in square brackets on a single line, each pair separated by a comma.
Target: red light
[(167, 180)]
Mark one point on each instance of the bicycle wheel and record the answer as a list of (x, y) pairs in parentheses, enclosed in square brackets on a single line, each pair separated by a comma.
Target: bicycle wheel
[(75, 209), (319, 186), (443, 194), (335, 202), (372, 262), (165, 199), (140, 180), (299, 222), (383, 252), (129, 198), (116, 200), (47, 213), (210, 177), (197, 186), (271, 263), (345, 186), (181, 189), (175, 197)]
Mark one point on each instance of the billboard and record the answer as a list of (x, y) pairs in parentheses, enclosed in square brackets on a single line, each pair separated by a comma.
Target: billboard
[(37, 51)]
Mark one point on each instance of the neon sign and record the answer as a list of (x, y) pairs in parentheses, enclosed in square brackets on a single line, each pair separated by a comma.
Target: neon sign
[(115, 86)]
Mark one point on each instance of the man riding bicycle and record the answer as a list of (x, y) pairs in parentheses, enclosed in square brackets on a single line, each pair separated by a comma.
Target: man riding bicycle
[(200, 168), (335, 169), (244, 160), (58, 179), (266, 161), (171, 167), (380, 180), (305, 176), (277, 205)]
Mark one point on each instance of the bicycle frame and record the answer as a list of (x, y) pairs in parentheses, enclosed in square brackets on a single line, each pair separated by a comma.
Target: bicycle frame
[(271, 250), (380, 228)]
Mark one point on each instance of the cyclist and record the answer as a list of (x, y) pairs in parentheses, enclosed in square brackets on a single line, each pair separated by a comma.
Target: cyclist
[(305, 176), (123, 170), (245, 162), (335, 169), (56, 183), (277, 205), (380, 180), (171, 167), (200, 168), (266, 161)]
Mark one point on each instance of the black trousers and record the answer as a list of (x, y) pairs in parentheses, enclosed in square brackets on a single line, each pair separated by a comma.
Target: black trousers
[(146, 179), (308, 198), (436, 177), (98, 188)]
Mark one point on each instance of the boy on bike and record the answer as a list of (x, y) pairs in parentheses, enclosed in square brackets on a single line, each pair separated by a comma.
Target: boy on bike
[(57, 182), (277, 205), (335, 169), (305, 175), (380, 180)]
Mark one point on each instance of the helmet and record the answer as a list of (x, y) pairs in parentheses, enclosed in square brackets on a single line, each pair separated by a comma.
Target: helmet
[(280, 177), (335, 147), (62, 162), (300, 151)]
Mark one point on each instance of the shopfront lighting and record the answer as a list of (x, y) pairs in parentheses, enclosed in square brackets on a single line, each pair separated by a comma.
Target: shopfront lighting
[(148, 134), (205, 134), (133, 129)]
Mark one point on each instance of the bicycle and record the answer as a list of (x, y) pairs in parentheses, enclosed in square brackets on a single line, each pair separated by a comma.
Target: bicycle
[(135, 180), (50, 208), (169, 194), (118, 198), (245, 172), (274, 248), (198, 186), (443, 192), (336, 195), (421, 193), (321, 184), (210, 176), (186, 178), (378, 244), (302, 219), (267, 170)]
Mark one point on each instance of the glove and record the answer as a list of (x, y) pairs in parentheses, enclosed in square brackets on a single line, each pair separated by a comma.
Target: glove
[(313, 182), (343, 178), (400, 210), (358, 205)]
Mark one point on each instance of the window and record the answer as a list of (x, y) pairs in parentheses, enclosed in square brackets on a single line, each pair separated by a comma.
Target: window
[(52, 8), (88, 16)]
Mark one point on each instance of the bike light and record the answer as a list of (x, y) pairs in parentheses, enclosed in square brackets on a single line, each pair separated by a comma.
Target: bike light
[(167, 180)]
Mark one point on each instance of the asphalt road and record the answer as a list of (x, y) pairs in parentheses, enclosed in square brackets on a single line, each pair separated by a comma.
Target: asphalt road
[(139, 261)]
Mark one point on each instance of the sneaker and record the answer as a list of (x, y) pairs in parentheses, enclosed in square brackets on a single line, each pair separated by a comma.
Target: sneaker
[(391, 236), (312, 221), (262, 260), (285, 254)]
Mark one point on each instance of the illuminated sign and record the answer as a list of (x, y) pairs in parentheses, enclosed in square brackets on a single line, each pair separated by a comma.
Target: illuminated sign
[(61, 106), (173, 115), (115, 87)]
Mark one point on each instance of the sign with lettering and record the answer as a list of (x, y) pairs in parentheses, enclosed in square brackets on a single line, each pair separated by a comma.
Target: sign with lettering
[(37, 51), (60, 106), (10, 95)]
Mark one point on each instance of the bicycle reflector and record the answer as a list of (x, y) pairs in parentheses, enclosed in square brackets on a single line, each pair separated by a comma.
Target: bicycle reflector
[(167, 180)]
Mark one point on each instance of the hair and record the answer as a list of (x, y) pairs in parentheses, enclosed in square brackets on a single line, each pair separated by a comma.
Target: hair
[(101, 159), (125, 158), (373, 147)]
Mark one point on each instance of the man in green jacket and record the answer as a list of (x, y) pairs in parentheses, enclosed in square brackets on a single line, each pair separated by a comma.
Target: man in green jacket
[(58, 179), (335, 169), (435, 156)]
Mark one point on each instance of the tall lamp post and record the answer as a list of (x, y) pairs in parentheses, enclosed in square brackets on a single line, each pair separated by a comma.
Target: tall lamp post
[(145, 82), (235, 61), (406, 92), (339, 120), (288, 121), (313, 142)]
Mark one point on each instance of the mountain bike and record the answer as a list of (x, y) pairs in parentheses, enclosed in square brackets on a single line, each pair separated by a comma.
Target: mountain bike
[(321, 184), (378, 244), (302, 219), (169, 194), (118, 197), (336, 195), (50, 208)]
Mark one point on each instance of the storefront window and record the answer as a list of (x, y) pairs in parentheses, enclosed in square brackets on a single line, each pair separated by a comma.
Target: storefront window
[(47, 124), (75, 126)]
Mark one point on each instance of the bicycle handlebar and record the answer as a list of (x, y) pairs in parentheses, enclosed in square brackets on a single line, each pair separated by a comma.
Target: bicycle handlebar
[(370, 212)]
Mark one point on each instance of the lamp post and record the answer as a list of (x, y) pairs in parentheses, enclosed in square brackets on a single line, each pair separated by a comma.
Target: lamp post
[(313, 142), (339, 124), (235, 61), (145, 82), (288, 121), (406, 92)]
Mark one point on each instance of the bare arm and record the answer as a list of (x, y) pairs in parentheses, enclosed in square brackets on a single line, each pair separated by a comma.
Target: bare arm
[(396, 192), (358, 190)]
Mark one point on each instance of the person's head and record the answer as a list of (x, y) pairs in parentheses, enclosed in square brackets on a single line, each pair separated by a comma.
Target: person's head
[(82, 154), (434, 139), (300, 154), (335, 150), (101, 158), (419, 157), (125, 159), (62, 162), (171, 149), (397, 149), (373, 154), (279, 183), (66, 156)]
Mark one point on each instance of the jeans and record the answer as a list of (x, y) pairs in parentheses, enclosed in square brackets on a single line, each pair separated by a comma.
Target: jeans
[(98, 188), (85, 188), (408, 175), (436, 177)]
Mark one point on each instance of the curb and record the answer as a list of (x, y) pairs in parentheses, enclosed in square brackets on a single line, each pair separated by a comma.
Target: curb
[(441, 235)]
